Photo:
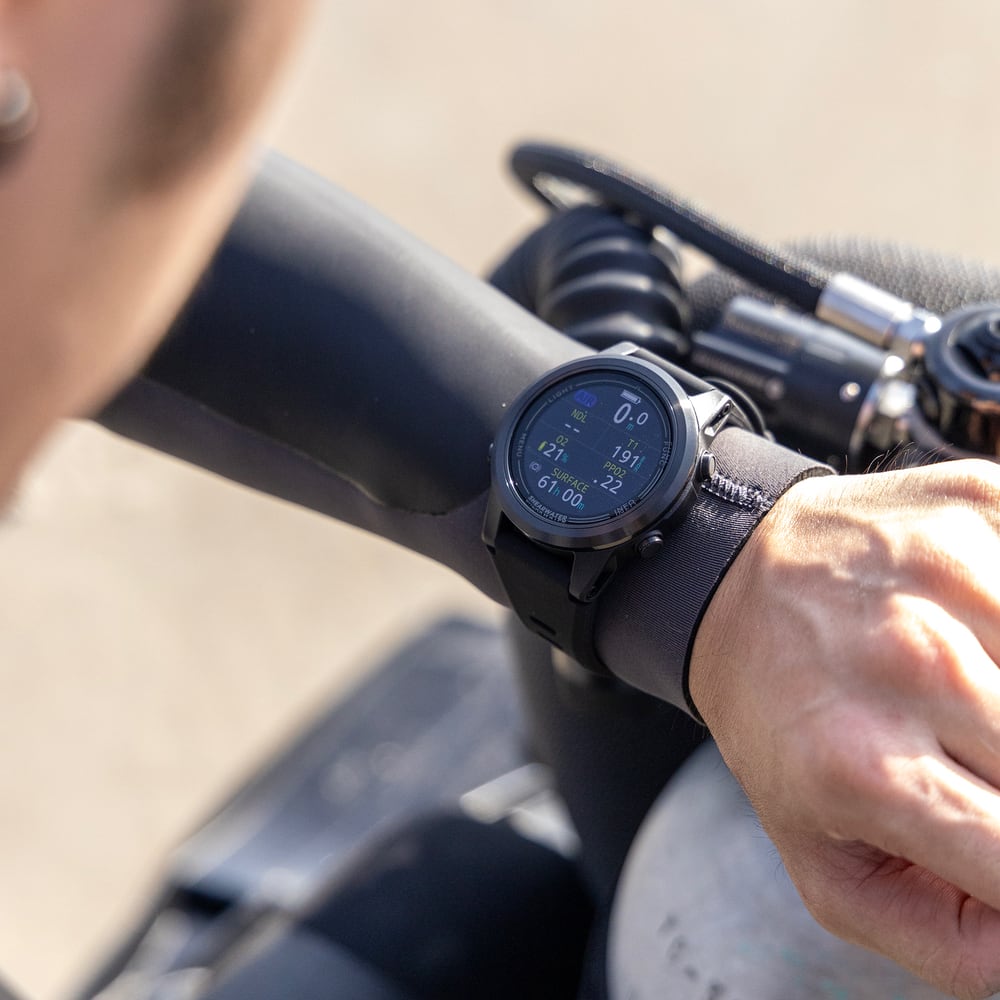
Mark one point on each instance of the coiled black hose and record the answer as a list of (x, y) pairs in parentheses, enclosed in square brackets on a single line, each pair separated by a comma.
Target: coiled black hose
[(601, 280)]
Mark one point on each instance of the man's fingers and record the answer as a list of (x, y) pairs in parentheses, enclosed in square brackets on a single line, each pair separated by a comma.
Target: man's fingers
[(901, 910), (940, 817), (889, 783)]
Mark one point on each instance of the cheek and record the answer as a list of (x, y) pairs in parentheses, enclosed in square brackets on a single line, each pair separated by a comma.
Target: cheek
[(87, 287), (162, 238), (138, 276)]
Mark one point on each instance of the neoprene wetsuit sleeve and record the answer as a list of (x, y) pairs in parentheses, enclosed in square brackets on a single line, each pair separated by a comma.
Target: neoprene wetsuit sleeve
[(331, 359)]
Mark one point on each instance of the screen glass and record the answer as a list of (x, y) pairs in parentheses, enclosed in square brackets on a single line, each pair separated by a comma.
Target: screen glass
[(590, 448)]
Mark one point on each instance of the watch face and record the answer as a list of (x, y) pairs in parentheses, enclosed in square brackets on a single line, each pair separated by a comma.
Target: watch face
[(590, 448)]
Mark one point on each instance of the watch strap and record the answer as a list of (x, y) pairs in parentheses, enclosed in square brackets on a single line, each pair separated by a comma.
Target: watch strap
[(689, 382), (536, 579)]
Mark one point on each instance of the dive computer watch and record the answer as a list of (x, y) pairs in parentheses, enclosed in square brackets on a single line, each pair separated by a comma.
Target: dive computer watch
[(612, 459)]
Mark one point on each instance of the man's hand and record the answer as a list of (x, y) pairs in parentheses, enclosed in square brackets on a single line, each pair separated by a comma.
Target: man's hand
[(847, 667)]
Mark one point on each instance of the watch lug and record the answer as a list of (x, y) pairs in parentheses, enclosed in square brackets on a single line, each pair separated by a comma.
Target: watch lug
[(491, 523), (623, 349), (590, 574), (711, 409)]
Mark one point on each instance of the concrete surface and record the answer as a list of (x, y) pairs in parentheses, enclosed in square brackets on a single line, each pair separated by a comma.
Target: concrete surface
[(160, 629)]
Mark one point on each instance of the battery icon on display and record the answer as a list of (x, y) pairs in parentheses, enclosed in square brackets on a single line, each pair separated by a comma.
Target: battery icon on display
[(631, 397)]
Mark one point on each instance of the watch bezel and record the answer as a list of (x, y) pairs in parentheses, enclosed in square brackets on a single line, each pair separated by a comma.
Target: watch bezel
[(659, 502)]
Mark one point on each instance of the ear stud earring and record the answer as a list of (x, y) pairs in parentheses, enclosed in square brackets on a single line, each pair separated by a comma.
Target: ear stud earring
[(18, 113)]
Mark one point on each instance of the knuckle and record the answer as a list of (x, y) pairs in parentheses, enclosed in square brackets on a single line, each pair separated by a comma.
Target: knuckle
[(974, 971), (955, 973), (966, 985), (918, 650)]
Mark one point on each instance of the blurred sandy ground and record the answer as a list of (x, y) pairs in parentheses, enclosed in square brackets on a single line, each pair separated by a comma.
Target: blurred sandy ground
[(160, 629)]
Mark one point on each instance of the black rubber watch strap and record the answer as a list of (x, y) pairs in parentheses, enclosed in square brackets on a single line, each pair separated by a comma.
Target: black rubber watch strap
[(536, 580), (690, 383), (650, 613)]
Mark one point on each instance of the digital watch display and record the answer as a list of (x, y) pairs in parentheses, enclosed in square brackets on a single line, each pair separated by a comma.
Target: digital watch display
[(598, 450), (590, 448)]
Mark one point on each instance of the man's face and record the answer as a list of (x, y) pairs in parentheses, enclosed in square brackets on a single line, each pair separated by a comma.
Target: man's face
[(110, 209)]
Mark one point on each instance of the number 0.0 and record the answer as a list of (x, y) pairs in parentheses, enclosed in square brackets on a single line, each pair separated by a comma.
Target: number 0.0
[(625, 411)]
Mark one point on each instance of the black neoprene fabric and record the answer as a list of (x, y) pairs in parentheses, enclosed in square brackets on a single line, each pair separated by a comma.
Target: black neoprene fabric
[(650, 613)]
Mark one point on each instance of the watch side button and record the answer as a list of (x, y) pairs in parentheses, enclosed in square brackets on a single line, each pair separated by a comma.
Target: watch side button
[(706, 466), (649, 545)]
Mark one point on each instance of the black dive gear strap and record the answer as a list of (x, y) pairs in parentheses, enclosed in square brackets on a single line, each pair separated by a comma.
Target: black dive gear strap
[(584, 581)]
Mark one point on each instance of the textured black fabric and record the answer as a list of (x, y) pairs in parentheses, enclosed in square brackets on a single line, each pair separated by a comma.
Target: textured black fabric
[(650, 613), (932, 280)]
